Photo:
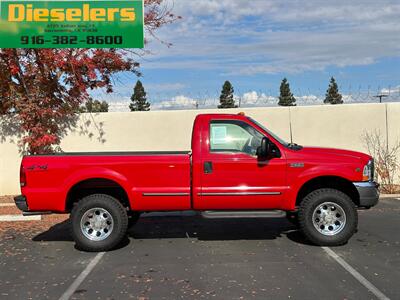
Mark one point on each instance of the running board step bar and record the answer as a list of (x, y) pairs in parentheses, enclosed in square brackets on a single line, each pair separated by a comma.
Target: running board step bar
[(211, 214), (35, 213)]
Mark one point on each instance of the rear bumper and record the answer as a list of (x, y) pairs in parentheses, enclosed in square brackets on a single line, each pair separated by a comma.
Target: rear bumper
[(369, 193), (20, 202)]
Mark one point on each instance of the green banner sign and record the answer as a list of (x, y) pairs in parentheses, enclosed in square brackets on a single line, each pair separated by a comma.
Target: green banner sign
[(71, 24)]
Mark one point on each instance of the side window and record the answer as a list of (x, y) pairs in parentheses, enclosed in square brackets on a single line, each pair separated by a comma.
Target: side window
[(234, 136)]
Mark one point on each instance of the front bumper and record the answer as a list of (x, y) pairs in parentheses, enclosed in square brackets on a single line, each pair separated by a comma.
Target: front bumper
[(369, 193), (20, 202)]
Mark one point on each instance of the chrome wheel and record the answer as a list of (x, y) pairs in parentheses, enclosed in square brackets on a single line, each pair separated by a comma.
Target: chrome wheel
[(329, 218), (97, 224)]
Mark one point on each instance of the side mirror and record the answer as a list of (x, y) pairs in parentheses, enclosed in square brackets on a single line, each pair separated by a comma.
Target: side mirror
[(264, 151)]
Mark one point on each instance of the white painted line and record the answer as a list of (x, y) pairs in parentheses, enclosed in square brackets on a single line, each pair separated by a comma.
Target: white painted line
[(19, 218), (373, 289), (7, 204), (78, 281)]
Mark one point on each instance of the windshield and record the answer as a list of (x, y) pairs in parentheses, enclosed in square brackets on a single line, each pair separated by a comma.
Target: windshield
[(269, 132)]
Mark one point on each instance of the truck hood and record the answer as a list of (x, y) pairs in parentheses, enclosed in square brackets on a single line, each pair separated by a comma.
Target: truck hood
[(333, 153)]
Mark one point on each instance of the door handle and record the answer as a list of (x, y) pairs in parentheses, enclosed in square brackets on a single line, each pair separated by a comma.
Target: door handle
[(208, 167)]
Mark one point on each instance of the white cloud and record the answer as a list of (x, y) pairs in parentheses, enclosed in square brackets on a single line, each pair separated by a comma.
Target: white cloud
[(118, 106), (295, 11), (255, 99), (251, 97), (391, 91), (178, 102), (260, 99), (265, 36), (121, 103), (165, 87)]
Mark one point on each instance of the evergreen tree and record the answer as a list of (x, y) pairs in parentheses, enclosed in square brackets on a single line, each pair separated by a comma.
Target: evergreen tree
[(94, 106), (286, 97), (226, 99), (332, 94), (139, 99)]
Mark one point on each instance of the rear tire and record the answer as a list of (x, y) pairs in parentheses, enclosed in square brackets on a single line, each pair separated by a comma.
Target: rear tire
[(99, 223), (328, 217)]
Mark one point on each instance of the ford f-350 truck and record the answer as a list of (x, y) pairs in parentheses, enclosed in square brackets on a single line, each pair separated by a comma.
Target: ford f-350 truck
[(236, 168)]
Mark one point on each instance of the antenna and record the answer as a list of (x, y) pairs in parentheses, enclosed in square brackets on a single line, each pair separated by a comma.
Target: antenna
[(290, 125)]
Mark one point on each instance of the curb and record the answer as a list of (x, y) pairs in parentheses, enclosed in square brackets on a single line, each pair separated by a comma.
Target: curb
[(385, 196), (7, 204), (19, 218)]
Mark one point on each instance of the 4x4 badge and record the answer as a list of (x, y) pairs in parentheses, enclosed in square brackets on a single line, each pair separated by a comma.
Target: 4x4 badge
[(37, 167)]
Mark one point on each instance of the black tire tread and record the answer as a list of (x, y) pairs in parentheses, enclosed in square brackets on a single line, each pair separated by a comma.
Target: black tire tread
[(107, 200), (302, 218)]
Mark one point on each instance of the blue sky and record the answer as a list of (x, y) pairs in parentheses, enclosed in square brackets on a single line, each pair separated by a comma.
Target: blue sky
[(254, 44)]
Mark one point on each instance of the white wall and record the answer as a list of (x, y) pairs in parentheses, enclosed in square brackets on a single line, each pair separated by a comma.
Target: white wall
[(340, 126)]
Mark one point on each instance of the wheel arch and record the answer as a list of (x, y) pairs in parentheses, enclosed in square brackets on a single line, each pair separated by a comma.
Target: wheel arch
[(96, 185), (335, 182)]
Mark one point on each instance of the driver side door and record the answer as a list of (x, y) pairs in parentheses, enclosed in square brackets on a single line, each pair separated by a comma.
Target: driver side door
[(233, 178)]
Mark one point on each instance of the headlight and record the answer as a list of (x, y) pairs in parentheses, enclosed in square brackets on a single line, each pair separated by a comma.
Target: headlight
[(368, 172)]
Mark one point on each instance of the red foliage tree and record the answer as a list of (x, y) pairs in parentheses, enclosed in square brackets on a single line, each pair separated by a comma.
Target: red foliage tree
[(41, 89)]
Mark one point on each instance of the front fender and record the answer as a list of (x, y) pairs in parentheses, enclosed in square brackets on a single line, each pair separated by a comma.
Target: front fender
[(296, 183)]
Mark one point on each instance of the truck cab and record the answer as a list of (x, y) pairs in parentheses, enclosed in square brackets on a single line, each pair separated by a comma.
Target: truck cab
[(236, 168), (239, 163)]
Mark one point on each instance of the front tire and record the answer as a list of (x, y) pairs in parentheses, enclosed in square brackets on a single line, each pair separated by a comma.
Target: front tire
[(328, 217), (99, 223)]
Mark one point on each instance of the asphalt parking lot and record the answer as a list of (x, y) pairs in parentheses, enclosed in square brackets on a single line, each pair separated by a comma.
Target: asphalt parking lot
[(188, 257)]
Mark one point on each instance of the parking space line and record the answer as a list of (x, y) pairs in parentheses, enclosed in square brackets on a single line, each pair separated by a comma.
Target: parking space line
[(78, 281), (373, 289), (7, 204)]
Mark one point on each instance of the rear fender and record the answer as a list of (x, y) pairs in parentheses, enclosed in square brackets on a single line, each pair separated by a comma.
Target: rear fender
[(92, 173)]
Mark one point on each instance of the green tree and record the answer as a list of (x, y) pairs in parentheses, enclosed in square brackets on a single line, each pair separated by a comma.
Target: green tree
[(286, 97), (332, 94), (94, 106), (226, 99), (139, 98)]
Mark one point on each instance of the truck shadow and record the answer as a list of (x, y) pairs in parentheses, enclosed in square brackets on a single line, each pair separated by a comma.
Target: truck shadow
[(215, 229), (56, 233), (194, 227), (61, 232)]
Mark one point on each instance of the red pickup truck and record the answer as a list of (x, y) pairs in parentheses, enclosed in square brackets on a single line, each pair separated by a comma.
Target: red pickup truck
[(237, 168)]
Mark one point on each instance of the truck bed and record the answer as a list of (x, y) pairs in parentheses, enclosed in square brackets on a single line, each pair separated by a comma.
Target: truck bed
[(151, 180), (111, 153)]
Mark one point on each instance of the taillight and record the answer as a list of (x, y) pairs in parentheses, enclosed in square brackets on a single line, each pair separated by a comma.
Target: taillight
[(22, 176)]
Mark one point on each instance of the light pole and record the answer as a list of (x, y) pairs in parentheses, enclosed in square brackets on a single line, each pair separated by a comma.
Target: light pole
[(381, 96)]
